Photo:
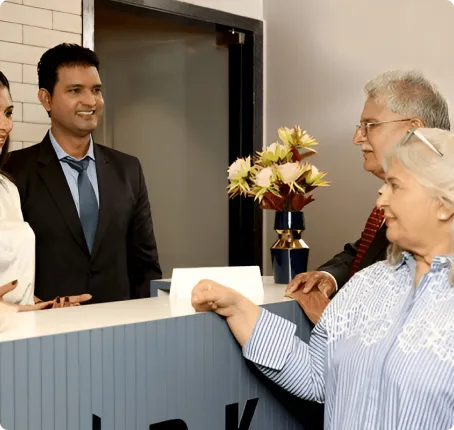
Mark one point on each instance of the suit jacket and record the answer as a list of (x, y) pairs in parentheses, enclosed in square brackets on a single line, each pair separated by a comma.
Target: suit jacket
[(340, 266), (124, 257)]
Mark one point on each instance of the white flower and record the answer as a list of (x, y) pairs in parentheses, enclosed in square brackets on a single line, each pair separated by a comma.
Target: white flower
[(240, 168), (273, 154), (263, 178), (312, 176), (289, 172), (276, 151), (297, 137), (273, 147)]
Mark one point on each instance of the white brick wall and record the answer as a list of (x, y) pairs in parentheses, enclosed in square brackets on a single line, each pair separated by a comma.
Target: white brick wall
[(27, 29)]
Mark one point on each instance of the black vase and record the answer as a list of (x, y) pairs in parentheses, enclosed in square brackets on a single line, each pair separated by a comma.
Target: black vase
[(289, 253)]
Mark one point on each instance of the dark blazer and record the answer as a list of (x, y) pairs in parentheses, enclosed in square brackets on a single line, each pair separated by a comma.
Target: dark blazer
[(340, 265), (124, 257)]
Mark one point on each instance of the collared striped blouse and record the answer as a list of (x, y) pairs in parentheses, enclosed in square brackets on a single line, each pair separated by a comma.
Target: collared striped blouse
[(382, 355)]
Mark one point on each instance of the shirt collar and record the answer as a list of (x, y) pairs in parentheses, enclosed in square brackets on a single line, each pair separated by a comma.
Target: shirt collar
[(445, 260), (62, 154), (407, 259)]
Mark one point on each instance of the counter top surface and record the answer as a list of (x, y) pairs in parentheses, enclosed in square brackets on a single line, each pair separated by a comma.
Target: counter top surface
[(26, 325)]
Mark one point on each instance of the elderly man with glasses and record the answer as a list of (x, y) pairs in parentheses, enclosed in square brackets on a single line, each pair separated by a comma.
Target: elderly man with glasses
[(396, 103)]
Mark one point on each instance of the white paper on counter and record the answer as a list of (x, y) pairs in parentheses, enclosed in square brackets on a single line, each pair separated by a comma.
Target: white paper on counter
[(245, 279)]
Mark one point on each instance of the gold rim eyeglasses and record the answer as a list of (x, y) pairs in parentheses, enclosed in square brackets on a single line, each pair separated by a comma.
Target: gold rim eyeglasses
[(365, 127)]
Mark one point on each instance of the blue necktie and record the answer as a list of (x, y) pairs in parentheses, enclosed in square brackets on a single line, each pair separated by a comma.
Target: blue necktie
[(88, 203)]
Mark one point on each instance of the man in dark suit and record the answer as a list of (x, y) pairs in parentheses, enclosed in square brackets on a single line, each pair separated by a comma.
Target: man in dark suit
[(87, 204), (396, 102)]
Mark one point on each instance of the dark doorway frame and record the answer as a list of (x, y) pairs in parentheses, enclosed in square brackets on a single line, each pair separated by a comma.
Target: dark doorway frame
[(245, 103)]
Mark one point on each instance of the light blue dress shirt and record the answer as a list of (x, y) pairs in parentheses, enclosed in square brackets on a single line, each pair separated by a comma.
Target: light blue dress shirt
[(380, 358), (72, 175)]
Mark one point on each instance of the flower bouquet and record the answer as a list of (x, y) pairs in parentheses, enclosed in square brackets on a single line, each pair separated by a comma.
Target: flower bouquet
[(279, 177)]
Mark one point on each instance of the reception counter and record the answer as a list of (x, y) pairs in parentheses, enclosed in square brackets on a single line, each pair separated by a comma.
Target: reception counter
[(140, 365)]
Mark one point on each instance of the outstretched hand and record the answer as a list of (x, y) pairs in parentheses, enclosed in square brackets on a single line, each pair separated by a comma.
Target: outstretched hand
[(70, 301), (58, 302), (10, 286)]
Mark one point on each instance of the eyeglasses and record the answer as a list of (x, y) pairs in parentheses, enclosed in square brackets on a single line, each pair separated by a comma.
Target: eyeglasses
[(365, 127), (421, 137)]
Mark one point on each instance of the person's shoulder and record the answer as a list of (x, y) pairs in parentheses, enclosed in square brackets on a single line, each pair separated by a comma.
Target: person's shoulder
[(7, 184), (367, 282), (115, 155), (10, 198), (21, 158), (378, 272), (377, 268), (25, 153)]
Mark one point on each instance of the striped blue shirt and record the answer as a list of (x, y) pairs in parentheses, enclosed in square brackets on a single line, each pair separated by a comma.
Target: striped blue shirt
[(382, 355)]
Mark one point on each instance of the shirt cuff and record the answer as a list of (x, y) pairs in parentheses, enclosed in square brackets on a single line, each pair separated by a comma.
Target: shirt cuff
[(271, 341), (332, 277)]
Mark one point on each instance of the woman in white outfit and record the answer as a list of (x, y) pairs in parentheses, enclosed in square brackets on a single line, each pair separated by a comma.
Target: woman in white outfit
[(17, 240)]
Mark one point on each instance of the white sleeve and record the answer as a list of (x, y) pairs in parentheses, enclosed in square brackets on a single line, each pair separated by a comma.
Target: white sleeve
[(17, 261), (17, 247)]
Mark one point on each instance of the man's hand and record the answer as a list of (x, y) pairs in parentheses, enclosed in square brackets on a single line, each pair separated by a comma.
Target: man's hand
[(305, 282), (313, 303)]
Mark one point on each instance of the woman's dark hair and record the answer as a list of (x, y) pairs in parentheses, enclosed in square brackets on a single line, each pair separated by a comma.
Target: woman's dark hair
[(4, 154)]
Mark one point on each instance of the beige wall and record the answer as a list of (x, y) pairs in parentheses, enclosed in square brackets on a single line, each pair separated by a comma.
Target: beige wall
[(27, 29), (334, 48), (249, 8)]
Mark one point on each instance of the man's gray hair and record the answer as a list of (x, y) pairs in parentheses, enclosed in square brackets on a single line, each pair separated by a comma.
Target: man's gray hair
[(410, 94)]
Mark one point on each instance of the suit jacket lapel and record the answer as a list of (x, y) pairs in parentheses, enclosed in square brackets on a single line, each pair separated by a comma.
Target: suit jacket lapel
[(52, 174), (106, 185)]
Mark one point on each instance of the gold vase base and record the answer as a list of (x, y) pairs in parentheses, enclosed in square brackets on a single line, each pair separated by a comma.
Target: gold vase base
[(288, 240)]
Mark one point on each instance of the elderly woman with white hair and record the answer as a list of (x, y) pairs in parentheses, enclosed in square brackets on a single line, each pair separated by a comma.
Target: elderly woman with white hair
[(382, 354)]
